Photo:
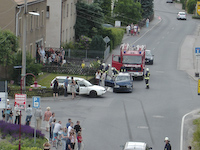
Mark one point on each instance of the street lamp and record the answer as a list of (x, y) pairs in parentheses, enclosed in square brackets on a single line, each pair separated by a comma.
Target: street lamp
[(23, 73)]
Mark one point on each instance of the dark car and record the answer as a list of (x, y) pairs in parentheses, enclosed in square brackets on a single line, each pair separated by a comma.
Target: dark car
[(123, 82), (149, 57)]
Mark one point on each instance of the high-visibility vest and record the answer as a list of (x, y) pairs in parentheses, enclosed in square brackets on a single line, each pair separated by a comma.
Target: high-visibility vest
[(147, 75)]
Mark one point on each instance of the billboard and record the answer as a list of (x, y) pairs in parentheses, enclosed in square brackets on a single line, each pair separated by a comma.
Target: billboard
[(198, 7), (20, 100)]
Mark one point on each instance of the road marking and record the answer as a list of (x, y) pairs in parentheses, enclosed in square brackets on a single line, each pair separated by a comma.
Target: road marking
[(142, 127), (158, 116)]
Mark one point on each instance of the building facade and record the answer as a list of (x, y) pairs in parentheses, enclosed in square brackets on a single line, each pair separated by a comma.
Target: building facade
[(12, 17)]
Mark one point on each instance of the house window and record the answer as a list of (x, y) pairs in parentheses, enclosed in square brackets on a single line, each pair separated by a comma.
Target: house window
[(67, 9), (20, 26), (71, 9), (42, 15), (31, 22), (63, 13), (31, 49), (48, 12), (37, 22)]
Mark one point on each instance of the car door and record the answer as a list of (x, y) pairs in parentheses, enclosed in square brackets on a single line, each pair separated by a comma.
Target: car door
[(82, 88), (109, 81)]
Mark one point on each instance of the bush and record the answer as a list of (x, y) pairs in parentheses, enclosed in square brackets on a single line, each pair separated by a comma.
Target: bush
[(191, 6), (10, 135), (196, 135)]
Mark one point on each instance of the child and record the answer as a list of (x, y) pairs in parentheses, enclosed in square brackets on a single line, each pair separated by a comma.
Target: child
[(11, 117), (79, 138)]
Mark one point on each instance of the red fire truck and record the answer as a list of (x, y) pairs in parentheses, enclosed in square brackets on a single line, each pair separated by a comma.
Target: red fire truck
[(132, 58)]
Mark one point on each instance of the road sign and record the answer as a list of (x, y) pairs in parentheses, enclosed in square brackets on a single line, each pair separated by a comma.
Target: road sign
[(198, 8), (106, 39), (199, 87), (36, 102), (20, 100), (197, 50)]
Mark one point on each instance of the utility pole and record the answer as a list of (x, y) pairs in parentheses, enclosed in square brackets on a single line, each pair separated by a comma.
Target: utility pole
[(24, 45)]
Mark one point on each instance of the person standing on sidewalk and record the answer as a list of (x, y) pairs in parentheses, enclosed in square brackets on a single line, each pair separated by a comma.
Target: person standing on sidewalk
[(167, 144), (28, 114), (55, 88), (17, 114), (47, 116), (50, 124), (79, 139), (38, 115), (147, 22), (73, 90), (66, 85)]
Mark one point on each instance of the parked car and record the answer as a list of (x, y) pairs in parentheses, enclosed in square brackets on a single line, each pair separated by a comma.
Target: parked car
[(149, 58), (123, 82), (181, 16), (84, 86), (136, 146), (169, 1)]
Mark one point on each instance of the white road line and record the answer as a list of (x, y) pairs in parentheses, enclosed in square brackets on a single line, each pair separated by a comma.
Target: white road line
[(158, 116), (142, 127)]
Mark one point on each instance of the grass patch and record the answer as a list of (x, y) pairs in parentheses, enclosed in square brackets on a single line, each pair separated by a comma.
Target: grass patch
[(46, 78), (196, 135)]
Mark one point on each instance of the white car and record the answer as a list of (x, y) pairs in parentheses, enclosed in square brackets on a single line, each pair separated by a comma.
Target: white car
[(136, 146), (181, 16), (84, 86)]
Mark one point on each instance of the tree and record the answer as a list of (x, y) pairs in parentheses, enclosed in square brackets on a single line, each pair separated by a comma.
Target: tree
[(191, 4), (97, 43), (8, 47), (88, 17), (147, 7), (128, 11)]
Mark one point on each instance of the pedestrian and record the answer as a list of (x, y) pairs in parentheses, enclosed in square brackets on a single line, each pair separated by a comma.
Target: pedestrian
[(38, 116), (189, 147), (79, 139), (70, 128), (77, 127), (69, 122), (68, 142), (72, 85), (147, 22), (50, 126), (55, 88), (167, 144), (47, 116), (73, 139), (66, 86), (11, 116), (138, 31), (64, 138), (147, 76), (28, 115), (42, 54), (3, 114), (83, 64), (97, 77), (8, 109), (128, 29), (103, 78), (17, 114), (135, 29), (56, 131)]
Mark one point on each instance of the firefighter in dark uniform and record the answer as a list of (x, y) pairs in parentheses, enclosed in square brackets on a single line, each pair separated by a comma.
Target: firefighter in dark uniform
[(167, 144), (123, 69), (147, 75), (115, 72)]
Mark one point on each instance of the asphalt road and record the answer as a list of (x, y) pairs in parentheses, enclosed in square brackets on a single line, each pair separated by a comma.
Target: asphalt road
[(144, 115)]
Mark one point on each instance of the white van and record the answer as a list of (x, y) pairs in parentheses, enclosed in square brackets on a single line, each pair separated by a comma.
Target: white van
[(136, 146)]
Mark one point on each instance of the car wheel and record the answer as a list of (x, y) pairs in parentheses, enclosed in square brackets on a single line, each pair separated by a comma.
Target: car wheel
[(93, 94)]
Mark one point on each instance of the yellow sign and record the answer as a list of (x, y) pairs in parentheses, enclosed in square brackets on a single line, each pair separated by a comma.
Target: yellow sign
[(198, 7), (199, 87)]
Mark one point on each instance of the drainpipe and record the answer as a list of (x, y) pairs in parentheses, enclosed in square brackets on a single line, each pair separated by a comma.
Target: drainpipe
[(17, 16)]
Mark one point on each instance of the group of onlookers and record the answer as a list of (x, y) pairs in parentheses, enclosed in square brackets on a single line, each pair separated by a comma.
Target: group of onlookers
[(69, 135), (133, 29), (51, 56)]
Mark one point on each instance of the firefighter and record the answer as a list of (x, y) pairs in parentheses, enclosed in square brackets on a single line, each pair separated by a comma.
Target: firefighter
[(147, 75), (114, 72), (123, 69), (102, 67)]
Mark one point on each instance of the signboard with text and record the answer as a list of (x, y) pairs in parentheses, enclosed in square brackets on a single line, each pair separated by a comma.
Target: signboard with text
[(20, 100), (198, 8), (36, 102)]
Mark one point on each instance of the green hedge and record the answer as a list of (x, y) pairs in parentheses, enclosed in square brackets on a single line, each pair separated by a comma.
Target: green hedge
[(115, 35)]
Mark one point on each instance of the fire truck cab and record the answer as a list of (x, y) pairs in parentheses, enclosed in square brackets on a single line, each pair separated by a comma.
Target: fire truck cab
[(132, 58)]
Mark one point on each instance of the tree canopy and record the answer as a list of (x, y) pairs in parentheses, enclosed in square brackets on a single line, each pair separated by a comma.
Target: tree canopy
[(8, 47), (88, 18), (147, 7), (128, 11)]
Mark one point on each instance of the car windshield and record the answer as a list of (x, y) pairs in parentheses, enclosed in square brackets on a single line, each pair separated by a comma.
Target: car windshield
[(128, 59), (61, 80), (148, 53), (182, 13), (122, 78), (87, 83)]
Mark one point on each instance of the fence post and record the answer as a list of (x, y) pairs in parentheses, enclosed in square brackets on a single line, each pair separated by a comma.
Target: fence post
[(69, 53)]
